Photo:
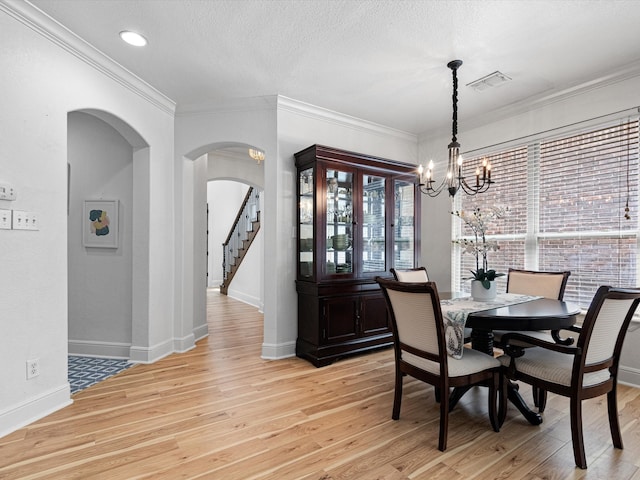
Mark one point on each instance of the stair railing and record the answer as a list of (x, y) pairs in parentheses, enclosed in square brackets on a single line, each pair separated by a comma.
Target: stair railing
[(248, 213)]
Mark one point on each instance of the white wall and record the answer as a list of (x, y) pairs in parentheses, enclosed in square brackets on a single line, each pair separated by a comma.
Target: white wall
[(100, 279), (41, 82), (299, 126), (542, 115), (224, 199), (280, 127)]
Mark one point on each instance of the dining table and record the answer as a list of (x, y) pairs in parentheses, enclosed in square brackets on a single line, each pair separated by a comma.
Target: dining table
[(535, 314)]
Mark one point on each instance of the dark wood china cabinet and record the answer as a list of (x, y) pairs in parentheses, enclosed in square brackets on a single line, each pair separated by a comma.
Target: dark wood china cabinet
[(358, 216)]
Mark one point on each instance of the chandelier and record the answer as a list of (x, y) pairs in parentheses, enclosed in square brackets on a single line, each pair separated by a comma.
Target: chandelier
[(257, 155), (454, 179)]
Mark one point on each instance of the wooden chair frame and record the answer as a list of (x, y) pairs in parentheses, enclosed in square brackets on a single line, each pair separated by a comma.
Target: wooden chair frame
[(563, 285), (398, 272), (442, 382), (540, 396), (576, 391)]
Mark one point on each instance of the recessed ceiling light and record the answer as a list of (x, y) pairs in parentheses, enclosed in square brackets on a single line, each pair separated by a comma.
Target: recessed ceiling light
[(133, 38)]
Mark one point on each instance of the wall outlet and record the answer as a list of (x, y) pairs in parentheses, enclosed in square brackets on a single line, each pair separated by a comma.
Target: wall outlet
[(7, 192), (5, 219), (33, 368)]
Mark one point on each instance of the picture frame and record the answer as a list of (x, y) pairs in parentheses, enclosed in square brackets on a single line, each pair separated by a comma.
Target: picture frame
[(100, 223)]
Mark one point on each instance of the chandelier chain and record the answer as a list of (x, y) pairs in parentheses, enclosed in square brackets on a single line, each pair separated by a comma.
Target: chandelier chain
[(454, 180)]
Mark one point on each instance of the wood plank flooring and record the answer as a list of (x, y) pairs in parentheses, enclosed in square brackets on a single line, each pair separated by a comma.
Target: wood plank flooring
[(221, 412)]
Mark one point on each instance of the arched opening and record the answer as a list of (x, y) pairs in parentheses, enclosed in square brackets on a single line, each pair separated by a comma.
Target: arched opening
[(220, 173), (107, 159)]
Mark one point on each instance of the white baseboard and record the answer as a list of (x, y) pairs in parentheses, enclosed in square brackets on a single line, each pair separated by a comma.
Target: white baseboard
[(184, 344), (201, 332), (34, 409), (248, 299), (151, 354), (278, 351), (99, 349), (629, 376)]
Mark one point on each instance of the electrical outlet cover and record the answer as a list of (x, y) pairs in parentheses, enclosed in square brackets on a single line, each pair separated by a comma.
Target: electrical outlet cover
[(7, 192)]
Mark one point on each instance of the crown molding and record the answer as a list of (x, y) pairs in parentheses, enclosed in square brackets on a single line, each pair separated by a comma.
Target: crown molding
[(340, 119), (543, 100), (228, 105), (41, 23)]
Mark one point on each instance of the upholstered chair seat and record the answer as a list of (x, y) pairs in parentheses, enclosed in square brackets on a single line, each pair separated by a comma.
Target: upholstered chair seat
[(420, 351), (587, 370)]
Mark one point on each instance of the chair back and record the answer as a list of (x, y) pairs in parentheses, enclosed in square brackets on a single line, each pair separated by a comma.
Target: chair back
[(418, 274), (543, 284), (605, 326), (416, 319)]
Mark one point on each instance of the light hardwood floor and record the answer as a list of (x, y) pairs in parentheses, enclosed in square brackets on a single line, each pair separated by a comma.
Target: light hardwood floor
[(221, 412)]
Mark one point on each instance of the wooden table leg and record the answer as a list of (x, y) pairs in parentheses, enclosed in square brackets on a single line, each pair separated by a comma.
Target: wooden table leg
[(482, 340)]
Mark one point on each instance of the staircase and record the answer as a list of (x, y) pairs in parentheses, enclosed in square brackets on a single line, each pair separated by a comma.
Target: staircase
[(244, 230)]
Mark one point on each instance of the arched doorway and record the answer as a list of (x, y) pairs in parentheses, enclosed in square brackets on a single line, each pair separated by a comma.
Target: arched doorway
[(105, 156)]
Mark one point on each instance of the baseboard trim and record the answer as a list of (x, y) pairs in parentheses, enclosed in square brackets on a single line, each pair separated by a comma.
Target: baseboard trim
[(34, 409), (151, 354), (99, 349), (184, 344), (248, 299), (629, 376), (201, 332), (278, 351)]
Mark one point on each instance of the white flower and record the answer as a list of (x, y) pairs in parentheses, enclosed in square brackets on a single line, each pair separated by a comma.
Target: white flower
[(477, 220)]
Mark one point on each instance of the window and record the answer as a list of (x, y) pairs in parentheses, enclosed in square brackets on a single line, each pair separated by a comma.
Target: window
[(567, 199)]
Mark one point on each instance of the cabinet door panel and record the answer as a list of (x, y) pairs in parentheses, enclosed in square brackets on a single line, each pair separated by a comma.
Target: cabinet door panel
[(341, 318), (375, 318), (403, 221), (339, 222), (374, 222)]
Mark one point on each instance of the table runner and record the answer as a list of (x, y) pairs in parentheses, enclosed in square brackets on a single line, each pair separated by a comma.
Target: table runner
[(456, 311)]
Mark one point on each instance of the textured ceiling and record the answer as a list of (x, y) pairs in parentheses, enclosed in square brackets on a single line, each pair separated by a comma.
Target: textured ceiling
[(380, 60)]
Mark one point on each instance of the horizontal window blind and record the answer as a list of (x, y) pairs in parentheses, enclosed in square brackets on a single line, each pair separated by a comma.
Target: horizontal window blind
[(511, 164), (566, 199), (585, 182)]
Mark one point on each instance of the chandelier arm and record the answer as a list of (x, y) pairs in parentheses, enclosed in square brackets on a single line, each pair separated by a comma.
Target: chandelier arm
[(474, 190), (427, 189), (454, 181)]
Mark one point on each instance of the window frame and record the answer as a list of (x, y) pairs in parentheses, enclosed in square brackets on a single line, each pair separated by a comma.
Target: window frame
[(532, 236)]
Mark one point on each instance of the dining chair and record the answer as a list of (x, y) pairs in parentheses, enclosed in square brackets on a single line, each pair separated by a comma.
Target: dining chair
[(587, 370), (542, 284), (418, 274), (420, 351)]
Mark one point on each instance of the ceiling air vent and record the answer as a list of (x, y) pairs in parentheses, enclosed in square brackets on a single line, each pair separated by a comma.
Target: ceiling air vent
[(494, 79)]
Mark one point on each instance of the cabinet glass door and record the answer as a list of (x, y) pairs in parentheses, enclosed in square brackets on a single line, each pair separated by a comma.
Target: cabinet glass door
[(339, 246), (305, 223), (404, 229), (373, 224)]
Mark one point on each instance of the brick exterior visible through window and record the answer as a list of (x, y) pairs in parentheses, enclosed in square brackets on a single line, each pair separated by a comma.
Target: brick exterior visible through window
[(567, 200)]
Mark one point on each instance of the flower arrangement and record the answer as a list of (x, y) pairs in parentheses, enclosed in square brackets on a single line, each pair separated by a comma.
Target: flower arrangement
[(477, 220)]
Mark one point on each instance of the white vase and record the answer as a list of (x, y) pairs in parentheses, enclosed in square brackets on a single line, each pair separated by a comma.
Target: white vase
[(481, 294)]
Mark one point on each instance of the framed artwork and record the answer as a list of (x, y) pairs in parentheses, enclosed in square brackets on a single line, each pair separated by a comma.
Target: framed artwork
[(100, 223)]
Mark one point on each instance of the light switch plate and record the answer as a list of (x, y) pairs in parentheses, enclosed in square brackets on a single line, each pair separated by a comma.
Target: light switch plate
[(18, 222), (5, 219), (22, 220)]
